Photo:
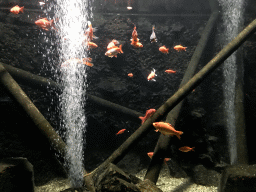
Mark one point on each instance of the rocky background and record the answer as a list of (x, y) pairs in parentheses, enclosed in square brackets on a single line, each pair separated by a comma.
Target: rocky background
[(25, 46)]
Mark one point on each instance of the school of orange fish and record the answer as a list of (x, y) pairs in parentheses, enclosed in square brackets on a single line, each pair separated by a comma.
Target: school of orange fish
[(113, 49)]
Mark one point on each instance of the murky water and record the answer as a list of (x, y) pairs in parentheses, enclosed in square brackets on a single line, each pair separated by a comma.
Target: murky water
[(72, 19), (232, 17)]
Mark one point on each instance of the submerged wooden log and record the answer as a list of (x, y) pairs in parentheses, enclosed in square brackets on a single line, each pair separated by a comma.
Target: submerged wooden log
[(180, 95), (44, 84), (19, 96), (164, 141)]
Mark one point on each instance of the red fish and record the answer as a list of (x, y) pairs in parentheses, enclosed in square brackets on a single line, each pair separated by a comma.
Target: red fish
[(136, 44), (186, 149), (170, 71), (85, 61), (150, 154), (114, 51), (134, 34), (91, 45), (148, 114), (180, 48), (44, 23), (120, 132), (130, 74), (90, 31), (112, 44), (166, 129), (16, 9), (163, 49), (152, 75)]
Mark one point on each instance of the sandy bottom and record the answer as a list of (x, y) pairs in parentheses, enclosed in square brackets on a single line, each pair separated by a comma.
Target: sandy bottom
[(168, 184), (165, 183)]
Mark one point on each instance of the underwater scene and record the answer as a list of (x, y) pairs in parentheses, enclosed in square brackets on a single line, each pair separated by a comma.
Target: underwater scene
[(127, 95)]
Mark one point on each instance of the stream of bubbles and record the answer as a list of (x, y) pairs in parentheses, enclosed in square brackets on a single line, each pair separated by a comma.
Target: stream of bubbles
[(72, 18)]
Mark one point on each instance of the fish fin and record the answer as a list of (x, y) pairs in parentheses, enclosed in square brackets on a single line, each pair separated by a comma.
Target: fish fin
[(178, 136), (142, 119), (120, 47), (94, 37)]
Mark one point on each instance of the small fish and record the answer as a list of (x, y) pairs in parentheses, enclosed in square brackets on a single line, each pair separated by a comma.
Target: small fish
[(134, 34), (169, 71), (120, 132), (16, 9), (153, 35), (150, 154), (180, 48), (163, 49), (90, 31), (130, 74), (186, 149), (91, 45), (166, 129), (112, 44), (85, 61), (44, 23), (114, 51), (152, 75), (129, 8), (136, 44), (148, 114)]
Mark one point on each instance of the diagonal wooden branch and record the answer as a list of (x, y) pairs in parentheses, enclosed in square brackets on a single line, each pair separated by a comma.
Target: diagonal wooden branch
[(180, 95)]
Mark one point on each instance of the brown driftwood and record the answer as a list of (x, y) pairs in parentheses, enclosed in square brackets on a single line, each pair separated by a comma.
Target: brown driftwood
[(180, 95), (44, 84), (19, 96), (163, 141)]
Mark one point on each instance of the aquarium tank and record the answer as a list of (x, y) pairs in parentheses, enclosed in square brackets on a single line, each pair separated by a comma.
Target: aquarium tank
[(127, 95)]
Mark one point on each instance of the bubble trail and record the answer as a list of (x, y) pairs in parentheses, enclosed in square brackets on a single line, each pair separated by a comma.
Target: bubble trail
[(71, 24)]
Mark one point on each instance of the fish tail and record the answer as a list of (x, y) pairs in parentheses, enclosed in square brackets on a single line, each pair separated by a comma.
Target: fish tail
[(178, 136), (193, 149), (22, 9), (142, 119), (121, 48)]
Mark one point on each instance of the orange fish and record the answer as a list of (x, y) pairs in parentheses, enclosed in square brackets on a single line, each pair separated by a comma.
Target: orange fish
[(90, 31), (16, 9), (114, 51), (170, 71), (150, 154), (148, 114), (186, 149), (163, 49), (44, 23), (152, 75), (112, 44), (130, 74), (85, 61), (120, 132), (166, 129), (136, 44), (91, 45), (180, 48), (134, 35)]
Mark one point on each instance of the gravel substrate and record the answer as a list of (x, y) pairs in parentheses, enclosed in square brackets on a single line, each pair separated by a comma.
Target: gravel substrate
[(168, 184)]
